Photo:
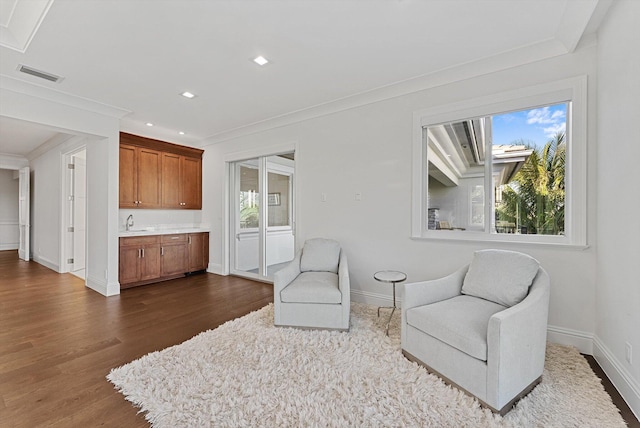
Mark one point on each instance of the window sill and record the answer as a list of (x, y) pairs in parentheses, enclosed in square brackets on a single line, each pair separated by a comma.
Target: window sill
[(469, 237)]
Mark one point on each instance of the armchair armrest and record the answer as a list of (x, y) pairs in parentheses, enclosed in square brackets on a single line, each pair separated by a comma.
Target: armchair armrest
[(426, 292), (343, 278), (516, 342), (284, 276)]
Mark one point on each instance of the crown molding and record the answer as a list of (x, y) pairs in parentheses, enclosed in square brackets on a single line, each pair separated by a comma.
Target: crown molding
[(460, 72), (25, 88), (14, 162), (22, 23)]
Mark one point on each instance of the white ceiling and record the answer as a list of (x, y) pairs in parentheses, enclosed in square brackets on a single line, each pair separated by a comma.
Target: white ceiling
[(139, 55)]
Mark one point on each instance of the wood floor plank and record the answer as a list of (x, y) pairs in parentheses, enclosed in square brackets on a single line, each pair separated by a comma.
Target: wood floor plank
[(59, 339)]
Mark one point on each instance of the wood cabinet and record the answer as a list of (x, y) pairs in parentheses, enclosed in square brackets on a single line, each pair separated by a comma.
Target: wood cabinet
[(174, 253), (198, 251), (149, 259), (139, 259), (139, 177), (191, 179), (157, 174), (181, 182)]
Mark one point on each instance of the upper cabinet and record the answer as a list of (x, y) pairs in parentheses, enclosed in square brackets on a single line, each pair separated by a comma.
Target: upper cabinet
[(181, 181), (156, 174), (139, 177)]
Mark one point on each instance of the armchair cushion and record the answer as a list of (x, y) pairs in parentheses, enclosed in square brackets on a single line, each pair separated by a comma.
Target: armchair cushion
[(500, 276), (320, 255), (460, 322), (313, 287)]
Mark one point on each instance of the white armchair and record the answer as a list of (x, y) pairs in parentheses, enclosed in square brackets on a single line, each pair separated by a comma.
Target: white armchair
[(482, 328), (313, 290)]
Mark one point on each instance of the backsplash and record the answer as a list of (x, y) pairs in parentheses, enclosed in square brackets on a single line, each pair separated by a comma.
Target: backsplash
[(161, 219)]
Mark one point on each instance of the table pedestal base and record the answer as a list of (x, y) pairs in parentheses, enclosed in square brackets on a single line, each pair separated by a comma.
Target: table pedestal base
[(393, 309)]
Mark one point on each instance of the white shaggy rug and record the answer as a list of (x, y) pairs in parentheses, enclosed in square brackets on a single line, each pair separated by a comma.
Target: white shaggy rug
[(249, 373)]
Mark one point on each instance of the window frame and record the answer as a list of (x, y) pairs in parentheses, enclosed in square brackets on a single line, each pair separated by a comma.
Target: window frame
[(573, 91)]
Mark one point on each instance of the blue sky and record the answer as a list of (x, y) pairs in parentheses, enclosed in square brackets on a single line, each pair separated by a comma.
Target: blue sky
[(538, 125)]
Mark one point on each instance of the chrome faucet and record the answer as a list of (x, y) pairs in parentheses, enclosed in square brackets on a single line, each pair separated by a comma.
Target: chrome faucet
[(129, 224)]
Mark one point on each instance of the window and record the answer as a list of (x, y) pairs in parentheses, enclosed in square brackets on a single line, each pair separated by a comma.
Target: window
[(506, 168)]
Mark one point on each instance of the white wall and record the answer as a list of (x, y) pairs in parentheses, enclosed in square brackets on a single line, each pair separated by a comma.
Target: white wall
[(618, 252), (160, 218), (9, 231), (368, 150), (46, 209), (100, 125)]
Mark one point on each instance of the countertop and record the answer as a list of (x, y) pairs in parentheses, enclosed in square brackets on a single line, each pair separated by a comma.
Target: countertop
[(147, 231)]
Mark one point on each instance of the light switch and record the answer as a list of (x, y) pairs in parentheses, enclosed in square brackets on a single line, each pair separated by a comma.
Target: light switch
[(323, 197)]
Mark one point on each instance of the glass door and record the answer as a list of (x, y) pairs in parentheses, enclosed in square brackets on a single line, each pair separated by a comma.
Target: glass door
[(262, 215), (247, 218), (280, 240)]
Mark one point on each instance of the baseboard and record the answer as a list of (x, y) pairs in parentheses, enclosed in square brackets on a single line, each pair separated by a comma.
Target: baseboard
[(374, 299), (9, 246), (627, 386), (46, 263), (97, 284), (566, 336), (216, 268)]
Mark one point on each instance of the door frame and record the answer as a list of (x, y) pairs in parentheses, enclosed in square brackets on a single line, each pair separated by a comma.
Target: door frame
[(66, 240), (228, 197), (24, 213)]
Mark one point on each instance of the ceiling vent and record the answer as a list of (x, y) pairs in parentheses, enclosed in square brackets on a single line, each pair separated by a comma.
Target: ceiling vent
[(38, 73)]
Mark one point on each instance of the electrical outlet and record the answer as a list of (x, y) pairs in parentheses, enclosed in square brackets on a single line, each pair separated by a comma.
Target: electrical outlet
[(629, 352)]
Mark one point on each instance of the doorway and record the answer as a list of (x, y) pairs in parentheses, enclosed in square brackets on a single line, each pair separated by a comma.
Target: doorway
[(262, 215), (75, 227)]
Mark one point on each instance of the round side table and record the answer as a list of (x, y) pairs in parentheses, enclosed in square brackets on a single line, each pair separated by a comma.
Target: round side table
[(393, 277)]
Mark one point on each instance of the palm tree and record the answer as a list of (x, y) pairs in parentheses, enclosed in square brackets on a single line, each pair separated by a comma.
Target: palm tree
[(534, 199)]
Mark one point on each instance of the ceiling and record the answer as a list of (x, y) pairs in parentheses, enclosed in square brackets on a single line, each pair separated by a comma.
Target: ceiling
[(141, 55)]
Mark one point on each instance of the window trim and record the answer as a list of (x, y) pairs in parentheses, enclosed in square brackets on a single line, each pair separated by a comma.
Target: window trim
[(573, 91)]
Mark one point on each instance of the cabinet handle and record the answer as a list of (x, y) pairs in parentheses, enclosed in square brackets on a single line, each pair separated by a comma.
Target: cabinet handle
[(139, 252), (189, 239), (162, 251), (143, 253), (175, 237)]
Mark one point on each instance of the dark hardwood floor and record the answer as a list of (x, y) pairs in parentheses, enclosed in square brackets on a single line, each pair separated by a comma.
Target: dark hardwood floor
[(59, 339)]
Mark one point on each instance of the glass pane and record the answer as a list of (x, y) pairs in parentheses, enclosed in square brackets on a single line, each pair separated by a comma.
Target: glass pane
[(529, 167), (249, 198), (280, 238), (247, 243), (278, 200), (527, 164), (455, 165)]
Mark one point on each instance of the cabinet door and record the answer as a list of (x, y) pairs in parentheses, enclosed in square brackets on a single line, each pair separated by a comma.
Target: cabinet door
[(174, 259), (150, 262), (128, 177), (171, 192), (191, 183), (149, 170), (129, 265), (198, 251)]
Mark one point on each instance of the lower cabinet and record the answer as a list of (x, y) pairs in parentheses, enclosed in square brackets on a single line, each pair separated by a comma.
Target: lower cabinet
[(174, 254), (198, 251), (149, 259), (139, 259)]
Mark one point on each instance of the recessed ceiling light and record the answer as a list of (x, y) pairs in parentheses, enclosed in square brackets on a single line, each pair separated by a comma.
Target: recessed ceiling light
[(188, 94), (260, 60), (181, 132), (149, 124)]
